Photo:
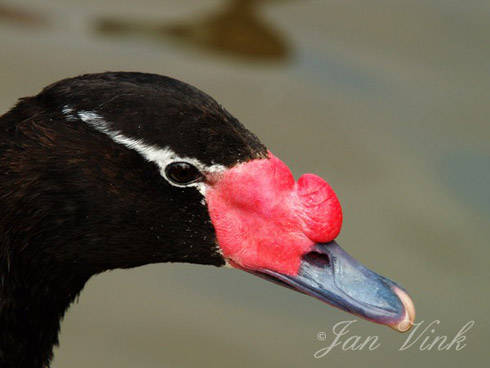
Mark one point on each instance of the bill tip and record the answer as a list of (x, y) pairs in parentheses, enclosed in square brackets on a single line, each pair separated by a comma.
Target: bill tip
[(408, 319)]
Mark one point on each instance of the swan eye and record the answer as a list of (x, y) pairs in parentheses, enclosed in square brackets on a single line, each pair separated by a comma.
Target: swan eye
[(182, 173)]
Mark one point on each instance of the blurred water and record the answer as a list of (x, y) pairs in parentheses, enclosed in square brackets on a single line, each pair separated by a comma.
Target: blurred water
[(388, 100)]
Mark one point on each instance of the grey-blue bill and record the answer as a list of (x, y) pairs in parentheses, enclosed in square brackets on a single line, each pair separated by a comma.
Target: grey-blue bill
[(333, 276)]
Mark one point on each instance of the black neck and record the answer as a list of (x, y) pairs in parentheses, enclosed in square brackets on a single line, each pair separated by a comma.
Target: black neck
[(31, 308)]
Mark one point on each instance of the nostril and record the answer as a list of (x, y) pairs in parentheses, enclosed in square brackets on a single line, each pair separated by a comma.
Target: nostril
[(317, 259)]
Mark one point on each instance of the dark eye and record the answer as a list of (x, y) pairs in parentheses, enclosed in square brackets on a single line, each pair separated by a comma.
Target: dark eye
[(182, 173)]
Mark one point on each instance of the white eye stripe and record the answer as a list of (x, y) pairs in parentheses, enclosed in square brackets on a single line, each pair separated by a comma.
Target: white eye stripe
[(68, 112), (161, 156)]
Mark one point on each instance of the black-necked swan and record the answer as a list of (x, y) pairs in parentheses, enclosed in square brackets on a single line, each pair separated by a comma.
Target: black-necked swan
[(118, 170)]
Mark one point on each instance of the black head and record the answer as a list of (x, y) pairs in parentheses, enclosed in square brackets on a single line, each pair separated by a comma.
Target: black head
[(90, 191)]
